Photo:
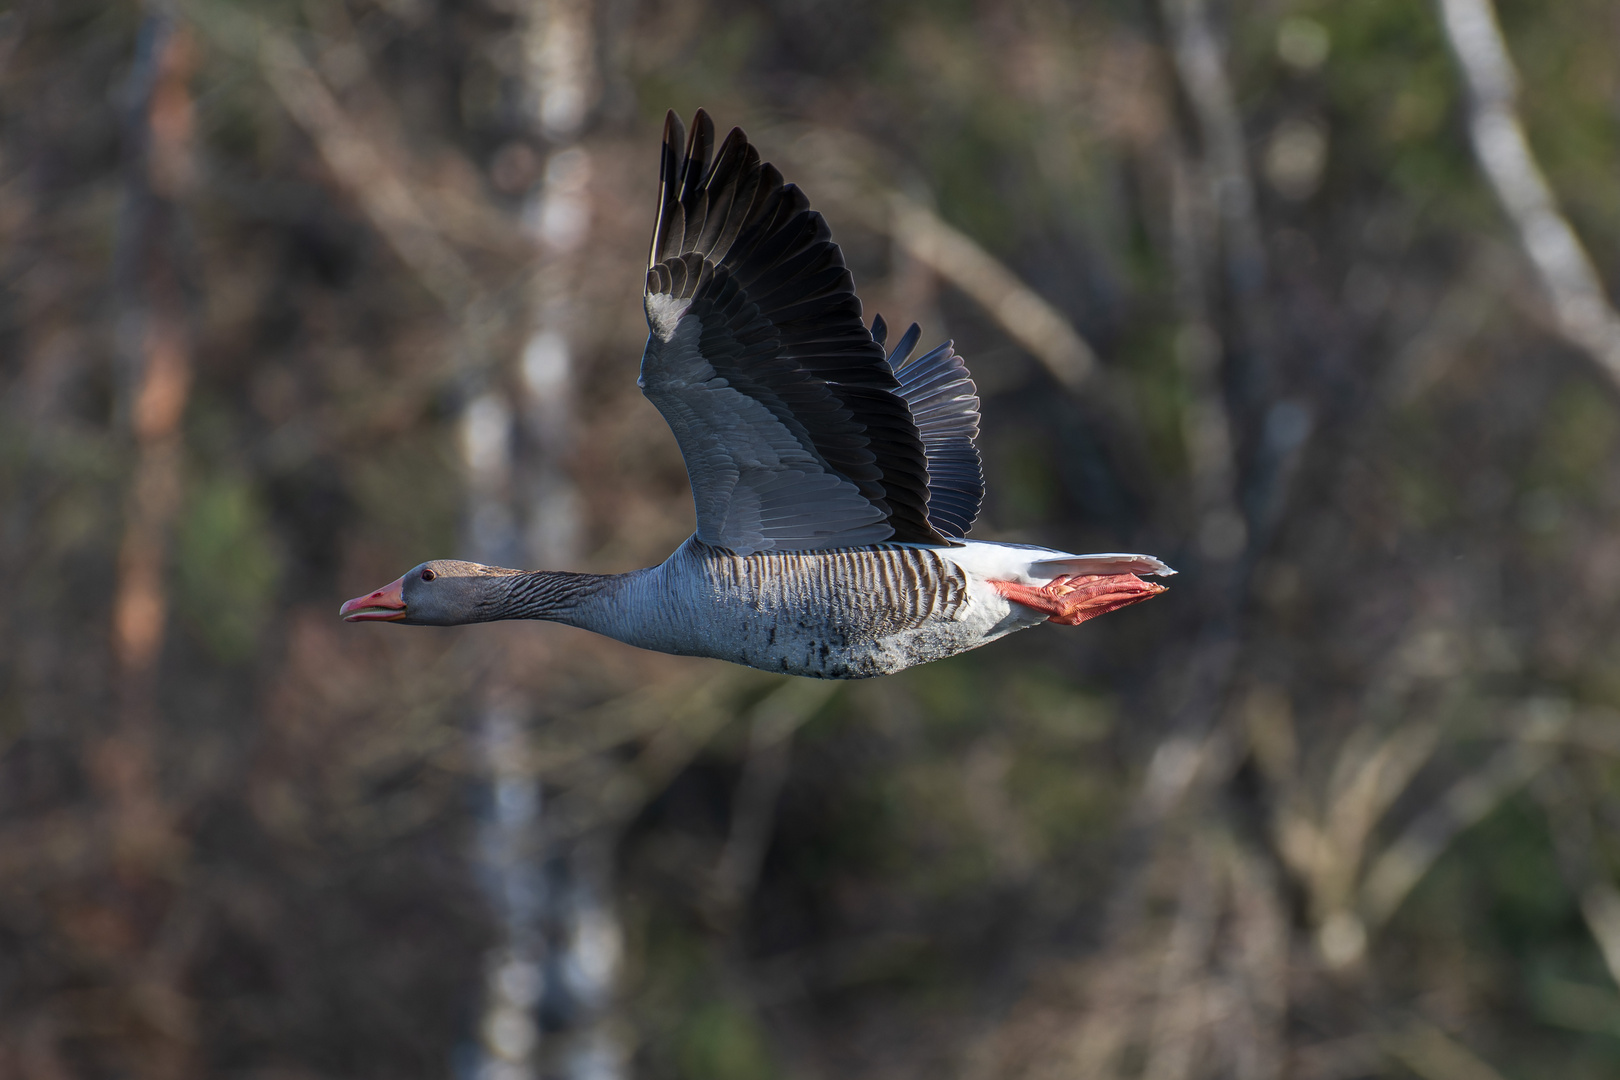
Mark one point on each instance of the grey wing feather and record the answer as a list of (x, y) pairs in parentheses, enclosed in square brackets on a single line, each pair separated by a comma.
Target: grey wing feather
[(944, 405), (756, 486)]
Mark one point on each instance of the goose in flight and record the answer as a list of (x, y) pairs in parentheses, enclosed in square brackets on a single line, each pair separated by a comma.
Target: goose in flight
[(835, 483)]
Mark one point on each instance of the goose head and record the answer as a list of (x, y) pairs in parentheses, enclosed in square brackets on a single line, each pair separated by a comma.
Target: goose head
[(443, 592)]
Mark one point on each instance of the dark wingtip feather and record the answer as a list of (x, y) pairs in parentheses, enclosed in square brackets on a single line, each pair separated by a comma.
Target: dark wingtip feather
[(669, 165), (674, 143), (698, 145), (880, 329)]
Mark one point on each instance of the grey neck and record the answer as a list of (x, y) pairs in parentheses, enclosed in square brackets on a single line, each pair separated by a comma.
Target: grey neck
[(553, 595)]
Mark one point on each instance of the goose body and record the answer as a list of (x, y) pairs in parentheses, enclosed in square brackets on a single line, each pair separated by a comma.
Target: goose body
[(834, 483), (840, 614)]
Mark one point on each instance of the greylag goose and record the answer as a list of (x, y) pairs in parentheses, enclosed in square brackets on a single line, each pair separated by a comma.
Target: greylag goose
[(834, 484)]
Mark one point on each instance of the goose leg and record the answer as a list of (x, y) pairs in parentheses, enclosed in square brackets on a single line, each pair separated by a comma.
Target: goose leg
[(1072, 599)]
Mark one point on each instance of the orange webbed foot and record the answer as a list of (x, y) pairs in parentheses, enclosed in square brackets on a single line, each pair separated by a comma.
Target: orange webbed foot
[(1073, 598)]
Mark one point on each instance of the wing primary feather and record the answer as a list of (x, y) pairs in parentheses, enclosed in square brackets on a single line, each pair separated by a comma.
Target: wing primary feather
[(903, 347), (749, 181), (668, 185), (719, 198), (944, 405), (694, 170)]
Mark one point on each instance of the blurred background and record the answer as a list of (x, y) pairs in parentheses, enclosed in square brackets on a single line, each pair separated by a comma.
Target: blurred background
[(1305, 297)]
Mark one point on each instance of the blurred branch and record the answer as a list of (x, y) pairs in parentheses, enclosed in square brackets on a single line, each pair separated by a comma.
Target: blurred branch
[(444, 205), (1181, 1015), (770, 745), (1325, 849), (1451, 325), (1600, 904), (1201, 69), (1195, 751), (1434, 1055), (592, 731), (1243, 444), (844, 175), (365, 173), (604, 794), (1582, 309), (1405, 862), (1199, 990), (1214, 223), (1594, 730), (1020, 311), (1370, 788), (1258, 991), (1576, 843), (1344, 1058), (1206, 424)]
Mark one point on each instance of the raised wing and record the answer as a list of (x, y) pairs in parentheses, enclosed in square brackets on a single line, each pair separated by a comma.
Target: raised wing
[(944, 405), (794, 433)]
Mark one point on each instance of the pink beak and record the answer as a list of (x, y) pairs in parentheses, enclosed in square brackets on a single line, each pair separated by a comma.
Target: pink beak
[(387, 604)]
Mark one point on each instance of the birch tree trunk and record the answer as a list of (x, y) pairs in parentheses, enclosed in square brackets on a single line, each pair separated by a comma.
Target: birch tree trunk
[(559, 956)]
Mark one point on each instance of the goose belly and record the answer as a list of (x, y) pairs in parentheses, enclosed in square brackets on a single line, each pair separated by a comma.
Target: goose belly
[(844, 614)]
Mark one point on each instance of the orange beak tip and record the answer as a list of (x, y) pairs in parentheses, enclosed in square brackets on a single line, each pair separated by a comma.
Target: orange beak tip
[(387, 604)]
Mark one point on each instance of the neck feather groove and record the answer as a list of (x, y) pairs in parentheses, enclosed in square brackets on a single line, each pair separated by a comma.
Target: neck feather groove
[(554, 595)]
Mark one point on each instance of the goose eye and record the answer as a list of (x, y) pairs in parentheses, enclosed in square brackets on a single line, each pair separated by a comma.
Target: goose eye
[(428, 575)]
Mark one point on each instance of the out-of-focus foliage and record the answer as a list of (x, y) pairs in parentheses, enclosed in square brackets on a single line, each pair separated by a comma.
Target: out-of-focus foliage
[(1342, 804)]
